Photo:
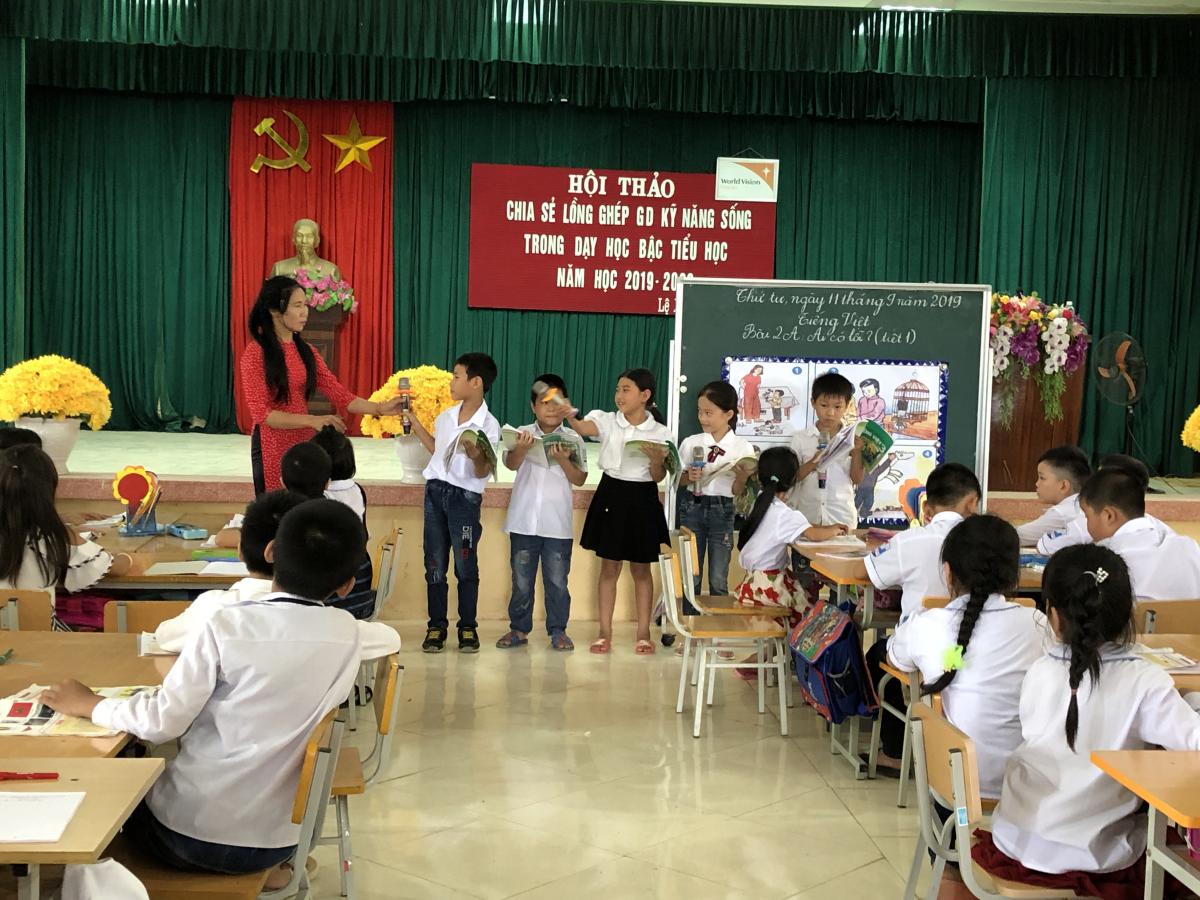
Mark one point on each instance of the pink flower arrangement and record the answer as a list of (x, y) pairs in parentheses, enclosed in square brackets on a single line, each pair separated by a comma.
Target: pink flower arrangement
[(326, 293), (1048, 342)]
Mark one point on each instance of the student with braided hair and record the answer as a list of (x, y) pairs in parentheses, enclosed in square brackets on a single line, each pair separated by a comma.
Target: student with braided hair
[(1061, 820), (976, 650)]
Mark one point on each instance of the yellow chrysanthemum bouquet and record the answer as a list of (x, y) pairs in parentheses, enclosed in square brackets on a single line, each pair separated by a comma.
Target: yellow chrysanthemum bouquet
[(430, 388), (53, 387), (1191, 431)]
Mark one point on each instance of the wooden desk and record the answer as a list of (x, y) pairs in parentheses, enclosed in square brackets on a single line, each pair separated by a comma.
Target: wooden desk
[(1187, 644), (114, 788), (164, 548), (98, 660), (1170, 783)]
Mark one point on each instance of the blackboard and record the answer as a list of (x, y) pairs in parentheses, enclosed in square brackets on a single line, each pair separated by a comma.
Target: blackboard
[(848, 321)]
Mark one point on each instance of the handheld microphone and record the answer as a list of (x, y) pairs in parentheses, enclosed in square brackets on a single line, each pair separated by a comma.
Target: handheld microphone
[(698, 464), (406, 404)]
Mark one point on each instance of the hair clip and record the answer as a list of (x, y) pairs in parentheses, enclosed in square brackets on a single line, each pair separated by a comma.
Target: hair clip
[(773, 478), (1100, 575), (952, 659)]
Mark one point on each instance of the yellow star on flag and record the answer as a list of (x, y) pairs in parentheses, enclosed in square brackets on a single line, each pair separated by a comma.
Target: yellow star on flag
[(354, 145)]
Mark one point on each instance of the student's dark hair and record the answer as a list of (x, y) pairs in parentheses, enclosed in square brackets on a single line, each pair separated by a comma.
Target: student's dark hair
[(305, 469), (1117, 488), (274, 295), (723, 396), (340, 450), (28, 481), (319, 546), (644, 379), (984, 556), (1089, 587), (872, 382), (18, 437), (1070, 463), (777, 471), (479, 365), (949, 483), (550, 380), (260, 525), (1128, 464), (831, 384)]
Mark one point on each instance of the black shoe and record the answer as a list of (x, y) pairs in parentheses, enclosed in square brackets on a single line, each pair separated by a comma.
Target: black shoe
[(435, 641), (468, 640)]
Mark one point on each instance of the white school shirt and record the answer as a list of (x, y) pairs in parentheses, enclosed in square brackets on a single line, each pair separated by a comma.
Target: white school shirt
[(734, 448), (541, 504), (912, 561), (833, 504), (984, 696), (87, 564), (615, 430), (1162, 565), (767, 548), (1076, 532), (1058, 812), (1056, 518), (348, 492), (461, 471), (243, 697)]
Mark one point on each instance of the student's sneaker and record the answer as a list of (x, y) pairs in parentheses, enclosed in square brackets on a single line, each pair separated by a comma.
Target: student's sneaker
[(468, 640), (435, 641)]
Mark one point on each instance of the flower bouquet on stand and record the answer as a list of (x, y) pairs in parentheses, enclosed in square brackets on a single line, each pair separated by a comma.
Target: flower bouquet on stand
[(429, 389), (52, 395), (326, 293)]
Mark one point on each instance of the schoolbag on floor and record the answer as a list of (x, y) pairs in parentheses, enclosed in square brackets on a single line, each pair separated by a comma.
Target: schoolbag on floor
[(833, 678)]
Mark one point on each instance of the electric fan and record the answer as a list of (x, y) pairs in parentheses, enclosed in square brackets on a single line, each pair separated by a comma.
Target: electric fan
[(1120, 367)]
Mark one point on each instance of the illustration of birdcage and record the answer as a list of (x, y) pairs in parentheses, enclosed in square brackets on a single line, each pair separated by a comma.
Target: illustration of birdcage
[(911, 401)]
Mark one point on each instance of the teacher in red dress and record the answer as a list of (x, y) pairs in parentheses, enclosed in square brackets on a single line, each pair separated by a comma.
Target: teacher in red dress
[(280, 371)]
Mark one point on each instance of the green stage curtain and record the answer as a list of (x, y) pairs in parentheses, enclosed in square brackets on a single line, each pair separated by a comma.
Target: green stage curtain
[(860, 201), (129, 250), (639, 35), (12, 201), (1092, 194)]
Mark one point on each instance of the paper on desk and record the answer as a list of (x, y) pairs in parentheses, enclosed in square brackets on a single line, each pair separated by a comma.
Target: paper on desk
[(842, 557), (117, 519), (1166, 658), (148, 646), (185, 567), (845, 542), (36, 817), (226, 567)]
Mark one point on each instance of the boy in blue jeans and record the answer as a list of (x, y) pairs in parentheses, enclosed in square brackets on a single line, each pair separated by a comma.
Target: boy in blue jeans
[(539, 515), (454, 483)]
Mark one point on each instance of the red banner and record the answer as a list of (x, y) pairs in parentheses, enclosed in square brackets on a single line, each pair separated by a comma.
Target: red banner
[(605, 240), (284, 159)]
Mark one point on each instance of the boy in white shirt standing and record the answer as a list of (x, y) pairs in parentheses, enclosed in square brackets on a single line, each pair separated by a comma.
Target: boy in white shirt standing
[(243, 698), (1061, 472), (824, 490), (454, 484), (539, 521), (1162, 565)]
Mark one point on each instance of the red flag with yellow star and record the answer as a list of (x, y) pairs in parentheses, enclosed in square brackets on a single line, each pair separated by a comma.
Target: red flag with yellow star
[(330, 162)]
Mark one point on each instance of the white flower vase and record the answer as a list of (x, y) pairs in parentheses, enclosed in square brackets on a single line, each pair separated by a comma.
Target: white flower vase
[(58, 437), (413, 458)]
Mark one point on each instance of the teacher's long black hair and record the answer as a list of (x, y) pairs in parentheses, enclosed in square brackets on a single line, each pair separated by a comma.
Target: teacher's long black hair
[(275, 294)]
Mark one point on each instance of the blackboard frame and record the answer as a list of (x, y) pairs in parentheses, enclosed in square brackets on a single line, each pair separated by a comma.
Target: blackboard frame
[(682, 375)]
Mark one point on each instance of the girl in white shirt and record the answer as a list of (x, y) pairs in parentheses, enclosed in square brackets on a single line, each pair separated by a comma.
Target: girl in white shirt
[(625, 521), (1058, 813), (770, 529), (704, 501), (38, 550)]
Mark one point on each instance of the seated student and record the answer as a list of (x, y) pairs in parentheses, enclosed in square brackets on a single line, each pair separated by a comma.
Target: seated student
[(305, 470), (259, 525), (975, 651), (1162, 565), (1076, 531), (342, 487), (1061, 472), (17, 437), (242, 699), (38, 550), (1061, 819)]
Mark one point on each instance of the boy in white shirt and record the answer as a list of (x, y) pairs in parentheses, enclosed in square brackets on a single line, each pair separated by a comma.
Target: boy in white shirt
[(243, 698), (539, 522), (1162, 565), (454, 483), (1076, 530), (1061, 472), (824, 491)]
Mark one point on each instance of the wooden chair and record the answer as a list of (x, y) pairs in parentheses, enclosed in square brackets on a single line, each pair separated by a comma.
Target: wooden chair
[(684, 543), (26, 611), (948, 774), (308, 811), (1167, 616), (351, 777), (123, 616), (700, 633)]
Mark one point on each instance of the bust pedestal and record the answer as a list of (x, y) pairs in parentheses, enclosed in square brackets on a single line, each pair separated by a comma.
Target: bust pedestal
[(321, 332)]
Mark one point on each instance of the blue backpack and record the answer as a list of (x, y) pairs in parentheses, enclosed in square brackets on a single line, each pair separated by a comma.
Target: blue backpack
[(827, 647)]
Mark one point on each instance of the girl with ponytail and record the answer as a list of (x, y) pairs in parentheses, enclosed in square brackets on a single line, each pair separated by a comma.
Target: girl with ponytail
[(975, 651), (770, 529), (1090, 690)]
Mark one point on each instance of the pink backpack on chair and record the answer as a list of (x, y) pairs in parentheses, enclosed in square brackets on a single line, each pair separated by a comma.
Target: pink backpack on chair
[(83, 611)]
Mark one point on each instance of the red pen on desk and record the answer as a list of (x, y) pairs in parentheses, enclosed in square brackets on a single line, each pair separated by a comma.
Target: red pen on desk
[(28, 776)]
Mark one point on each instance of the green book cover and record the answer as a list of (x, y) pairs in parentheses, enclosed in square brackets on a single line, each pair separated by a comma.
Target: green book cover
[(876, 443)]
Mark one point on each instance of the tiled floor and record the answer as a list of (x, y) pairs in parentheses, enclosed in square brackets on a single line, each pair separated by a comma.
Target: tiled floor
[(530, 773)]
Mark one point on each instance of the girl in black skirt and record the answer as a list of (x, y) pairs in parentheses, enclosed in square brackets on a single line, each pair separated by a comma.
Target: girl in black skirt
[(625, 522)]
